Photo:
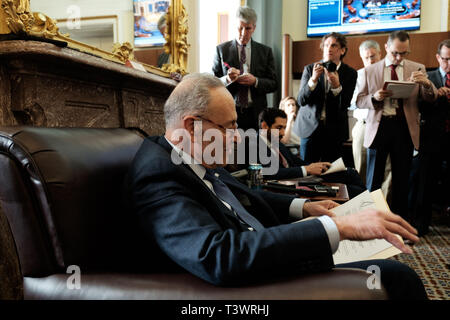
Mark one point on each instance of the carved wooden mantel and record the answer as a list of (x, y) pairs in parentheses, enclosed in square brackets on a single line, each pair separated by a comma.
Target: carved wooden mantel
[(42, 84)]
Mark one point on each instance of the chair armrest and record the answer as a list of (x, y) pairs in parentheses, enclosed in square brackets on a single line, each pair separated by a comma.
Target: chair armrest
[(336, 284)]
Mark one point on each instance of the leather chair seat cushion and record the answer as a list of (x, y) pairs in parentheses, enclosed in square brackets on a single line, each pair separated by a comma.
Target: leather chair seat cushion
[(336, 284)]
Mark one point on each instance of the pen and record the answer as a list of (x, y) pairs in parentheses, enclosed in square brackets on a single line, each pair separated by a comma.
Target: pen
[(227, 65)]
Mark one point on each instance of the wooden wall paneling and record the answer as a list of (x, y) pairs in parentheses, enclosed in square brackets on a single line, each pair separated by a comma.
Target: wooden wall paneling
[(423, 49)]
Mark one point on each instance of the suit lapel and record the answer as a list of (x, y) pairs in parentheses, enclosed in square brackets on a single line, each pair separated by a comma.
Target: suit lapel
[(192, 175), (253, 58), (234, 54)]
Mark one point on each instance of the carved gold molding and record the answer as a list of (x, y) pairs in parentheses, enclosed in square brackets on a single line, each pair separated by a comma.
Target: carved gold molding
[(16, 18), (176, 38)]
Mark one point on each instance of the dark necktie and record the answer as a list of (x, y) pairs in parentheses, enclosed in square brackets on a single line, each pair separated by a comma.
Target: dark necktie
[(447, 84), (283, 160), (225, 194), (394, 76), (243, 90)]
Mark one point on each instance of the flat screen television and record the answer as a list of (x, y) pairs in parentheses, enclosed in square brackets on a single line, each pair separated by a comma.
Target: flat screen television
[(147, 14), (362, 16)]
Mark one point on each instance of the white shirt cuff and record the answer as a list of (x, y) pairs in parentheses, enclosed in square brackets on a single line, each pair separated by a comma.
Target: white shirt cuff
[(305, 173), (311, 84), (224, 79), (296, 208), (337, 90), (256, 83), (332, 232)]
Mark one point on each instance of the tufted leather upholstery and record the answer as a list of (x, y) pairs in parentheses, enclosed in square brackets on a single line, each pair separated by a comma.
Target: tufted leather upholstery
[(61, 193)]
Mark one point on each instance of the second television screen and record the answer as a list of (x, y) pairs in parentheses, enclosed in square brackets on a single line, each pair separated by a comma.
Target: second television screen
[(362, 16)]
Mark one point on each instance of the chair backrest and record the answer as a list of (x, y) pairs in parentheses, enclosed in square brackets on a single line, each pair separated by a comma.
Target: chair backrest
[(61, 190)]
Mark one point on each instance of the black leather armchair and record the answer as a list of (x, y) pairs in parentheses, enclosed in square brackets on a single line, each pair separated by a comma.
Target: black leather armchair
[(60, 191)]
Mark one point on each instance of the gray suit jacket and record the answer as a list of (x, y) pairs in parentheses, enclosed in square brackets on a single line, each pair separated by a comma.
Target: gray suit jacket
[(371, 80), (262, 67)]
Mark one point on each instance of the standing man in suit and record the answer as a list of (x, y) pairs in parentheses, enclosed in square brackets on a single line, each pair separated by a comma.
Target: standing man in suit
[(205, 221), (324, 97), (250, 66), (434, 145), (392, 126), (370, 53)]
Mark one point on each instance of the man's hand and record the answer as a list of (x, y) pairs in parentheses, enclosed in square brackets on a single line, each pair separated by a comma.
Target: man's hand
[(443, 91), (247, 79), (316, 168), (317, 72), (381, 94), (333, 78), (420, 78), (373, 224), (319, 208), (233, 74)]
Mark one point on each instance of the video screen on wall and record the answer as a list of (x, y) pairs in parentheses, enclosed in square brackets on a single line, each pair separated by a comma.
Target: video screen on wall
[(362, 16), (147, 14)]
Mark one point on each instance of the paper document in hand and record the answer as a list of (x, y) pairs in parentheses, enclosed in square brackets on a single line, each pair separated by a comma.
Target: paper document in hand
[(400, 89), (336, 166), (351, 251)]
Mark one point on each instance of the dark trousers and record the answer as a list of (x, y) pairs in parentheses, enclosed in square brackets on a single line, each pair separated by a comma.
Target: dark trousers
[(399, 280), (392, 138), (322, 145), (428, 180)]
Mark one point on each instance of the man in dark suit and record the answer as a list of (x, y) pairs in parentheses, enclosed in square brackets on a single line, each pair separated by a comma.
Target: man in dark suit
[(223, 232), (247, 68), (324, 97), (392, 125), (273, 124), (434, 145)]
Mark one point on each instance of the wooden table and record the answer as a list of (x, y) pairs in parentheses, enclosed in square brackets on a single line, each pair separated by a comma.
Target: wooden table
[(341, 195)]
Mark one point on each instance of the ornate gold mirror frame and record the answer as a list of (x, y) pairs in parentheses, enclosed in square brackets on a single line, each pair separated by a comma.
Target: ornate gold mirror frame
[(16, 18)]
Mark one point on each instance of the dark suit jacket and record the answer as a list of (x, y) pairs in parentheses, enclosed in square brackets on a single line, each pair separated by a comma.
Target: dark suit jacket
[(262, 66), (193, 227), (312, 102), (433, 118)]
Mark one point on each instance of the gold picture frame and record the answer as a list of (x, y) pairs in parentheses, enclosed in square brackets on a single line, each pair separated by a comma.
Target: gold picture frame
[(16, 18)]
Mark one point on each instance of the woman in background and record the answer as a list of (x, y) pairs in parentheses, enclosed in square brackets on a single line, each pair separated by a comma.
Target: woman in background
[(290, 106)]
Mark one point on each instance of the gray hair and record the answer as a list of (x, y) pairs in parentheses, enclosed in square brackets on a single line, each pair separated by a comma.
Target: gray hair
[(191, 97), (246, 14), (369, 44)]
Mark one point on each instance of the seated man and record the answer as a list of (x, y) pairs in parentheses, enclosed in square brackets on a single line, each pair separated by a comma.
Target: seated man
[(223, 232), (273, 124)]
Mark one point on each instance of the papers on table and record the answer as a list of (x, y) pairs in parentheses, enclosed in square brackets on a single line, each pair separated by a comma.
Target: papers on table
[(400, 89), (336, 166)]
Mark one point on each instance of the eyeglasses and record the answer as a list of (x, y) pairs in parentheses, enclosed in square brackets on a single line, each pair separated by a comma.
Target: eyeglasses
[(234, 125), (401, 54), (444, 59)]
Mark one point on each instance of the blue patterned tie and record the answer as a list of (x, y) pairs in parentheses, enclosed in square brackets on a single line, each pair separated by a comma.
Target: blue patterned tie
[(225, 194)]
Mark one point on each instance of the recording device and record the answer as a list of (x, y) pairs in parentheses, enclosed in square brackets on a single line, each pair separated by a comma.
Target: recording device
[(330, 66)]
